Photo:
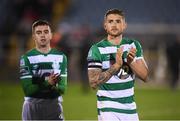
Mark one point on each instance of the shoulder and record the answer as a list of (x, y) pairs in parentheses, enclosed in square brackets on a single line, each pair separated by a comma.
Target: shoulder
[(130, 41), (95, 46), (28, 53), (24, 58), (99, 44), (102, 43), (58, 52), (31, 52)]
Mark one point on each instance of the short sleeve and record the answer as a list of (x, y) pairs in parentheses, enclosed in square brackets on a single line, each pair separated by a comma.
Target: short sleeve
[(139, 53), (94, 58)]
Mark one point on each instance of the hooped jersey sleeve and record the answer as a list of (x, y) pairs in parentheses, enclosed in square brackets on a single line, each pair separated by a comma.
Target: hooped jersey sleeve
[(139, 52), (62, 84), (94, 58), (27, 78)]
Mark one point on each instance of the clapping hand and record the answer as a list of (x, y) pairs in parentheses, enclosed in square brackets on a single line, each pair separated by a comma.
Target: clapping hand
[(53, 78), (131, 55)]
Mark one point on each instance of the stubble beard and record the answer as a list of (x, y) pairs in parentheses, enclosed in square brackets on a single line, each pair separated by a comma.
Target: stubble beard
[(114, 35)]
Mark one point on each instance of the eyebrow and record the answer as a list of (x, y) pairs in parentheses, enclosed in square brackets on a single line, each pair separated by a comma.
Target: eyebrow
[(38, 31), (42, 30)]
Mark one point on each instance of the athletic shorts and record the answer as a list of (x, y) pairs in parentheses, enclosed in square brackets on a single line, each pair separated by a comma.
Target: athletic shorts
[(42, 109)]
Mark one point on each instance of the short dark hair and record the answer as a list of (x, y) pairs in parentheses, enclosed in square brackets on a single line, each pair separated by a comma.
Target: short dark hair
[(40, 23), (114, 11)]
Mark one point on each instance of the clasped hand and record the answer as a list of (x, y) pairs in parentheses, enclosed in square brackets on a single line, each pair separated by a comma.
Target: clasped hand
[(53, 78)]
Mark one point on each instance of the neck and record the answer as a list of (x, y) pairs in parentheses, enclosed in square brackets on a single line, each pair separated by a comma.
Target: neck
[(115, 40), (44, 49)]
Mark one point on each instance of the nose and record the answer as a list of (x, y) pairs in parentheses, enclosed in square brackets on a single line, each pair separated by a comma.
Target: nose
[(43, 34), (114, 23)]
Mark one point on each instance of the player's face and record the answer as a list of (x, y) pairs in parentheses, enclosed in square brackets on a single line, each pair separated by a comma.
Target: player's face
[(42, 35), (114, 25)]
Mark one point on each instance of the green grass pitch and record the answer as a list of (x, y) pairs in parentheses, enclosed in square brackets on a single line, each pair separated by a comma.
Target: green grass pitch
[(152, 103)]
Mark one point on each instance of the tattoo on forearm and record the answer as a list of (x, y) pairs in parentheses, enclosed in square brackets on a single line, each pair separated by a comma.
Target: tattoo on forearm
[(96, 76), (105, 76), (112, 70)]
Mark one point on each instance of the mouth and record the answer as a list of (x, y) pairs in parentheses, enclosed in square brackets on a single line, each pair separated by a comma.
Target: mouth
[(43, 40), (114, 29)]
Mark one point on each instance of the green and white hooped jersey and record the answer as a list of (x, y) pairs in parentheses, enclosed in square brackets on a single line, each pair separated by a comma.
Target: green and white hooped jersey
[(117, 94), (36, 63)]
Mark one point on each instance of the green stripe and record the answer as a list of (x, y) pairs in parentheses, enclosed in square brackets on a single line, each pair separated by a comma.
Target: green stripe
[(118, 110), (123, 100), (116, 86)]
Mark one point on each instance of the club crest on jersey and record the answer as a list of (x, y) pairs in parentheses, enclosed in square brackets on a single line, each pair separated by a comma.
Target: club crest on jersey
[(90, 54), (56, 67)]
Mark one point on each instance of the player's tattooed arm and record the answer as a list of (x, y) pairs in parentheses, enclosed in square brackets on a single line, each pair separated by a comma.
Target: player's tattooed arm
[(96, 76), (93, 75)]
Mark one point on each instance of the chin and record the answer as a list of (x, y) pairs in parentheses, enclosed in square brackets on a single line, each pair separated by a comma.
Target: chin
[(115, 35), (43, 45)]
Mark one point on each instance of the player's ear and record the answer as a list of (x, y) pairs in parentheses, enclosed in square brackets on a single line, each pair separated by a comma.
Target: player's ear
[(51, 35), (33, 36), (125, 25), (104, 24)]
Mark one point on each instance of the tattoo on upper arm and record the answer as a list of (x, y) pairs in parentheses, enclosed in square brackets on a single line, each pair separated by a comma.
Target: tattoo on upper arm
[(93, 75)]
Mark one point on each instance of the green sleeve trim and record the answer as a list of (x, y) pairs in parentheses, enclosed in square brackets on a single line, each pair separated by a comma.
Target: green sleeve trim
[(139, 52), (94, 54)]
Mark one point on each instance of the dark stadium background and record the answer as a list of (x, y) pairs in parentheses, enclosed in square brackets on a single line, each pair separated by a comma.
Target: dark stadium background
[(77, 24)]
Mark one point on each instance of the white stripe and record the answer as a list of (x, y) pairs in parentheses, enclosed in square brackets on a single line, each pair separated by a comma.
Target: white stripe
[(48, 58), (60, 99), (137, 58), (106, 64), (107, 50), (94, 64), (64, 75), (92, 68), (112, 104), (42, 71), (116, 94), (23, 77), (112, 116), (127, 47), (115, 79)]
